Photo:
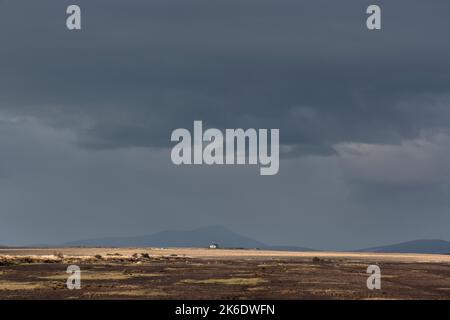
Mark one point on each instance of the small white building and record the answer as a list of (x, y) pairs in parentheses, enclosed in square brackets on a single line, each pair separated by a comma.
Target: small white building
[(213, 246)]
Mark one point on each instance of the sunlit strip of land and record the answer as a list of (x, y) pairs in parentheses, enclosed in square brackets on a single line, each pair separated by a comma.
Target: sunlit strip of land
[(222, 253)]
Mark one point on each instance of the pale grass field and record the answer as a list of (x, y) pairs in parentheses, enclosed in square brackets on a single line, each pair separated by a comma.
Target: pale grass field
[(111, 253)]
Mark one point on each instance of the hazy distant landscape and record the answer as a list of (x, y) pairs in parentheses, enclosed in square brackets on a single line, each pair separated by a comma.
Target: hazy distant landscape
[(225, 238), (178, 264), (200, 237)]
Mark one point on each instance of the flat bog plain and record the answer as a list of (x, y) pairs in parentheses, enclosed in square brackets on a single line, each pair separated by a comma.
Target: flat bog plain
[(194, 273)]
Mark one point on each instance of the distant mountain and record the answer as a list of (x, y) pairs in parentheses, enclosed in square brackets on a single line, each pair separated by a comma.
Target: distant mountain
[(201, 237), (417, 246)]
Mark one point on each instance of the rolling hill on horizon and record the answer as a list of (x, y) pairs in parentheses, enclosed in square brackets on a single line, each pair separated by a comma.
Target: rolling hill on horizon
[(200, 237), (435, 246), (225, 238)]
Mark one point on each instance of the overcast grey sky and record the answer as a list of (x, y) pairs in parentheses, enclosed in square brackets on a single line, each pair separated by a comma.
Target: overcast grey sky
[(364, 118)]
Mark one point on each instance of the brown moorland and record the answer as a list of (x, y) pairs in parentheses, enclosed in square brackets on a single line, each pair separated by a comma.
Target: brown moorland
[(195, 273)]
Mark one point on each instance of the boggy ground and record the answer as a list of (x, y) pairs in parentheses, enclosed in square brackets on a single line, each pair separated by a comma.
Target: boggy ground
[(145, 273)]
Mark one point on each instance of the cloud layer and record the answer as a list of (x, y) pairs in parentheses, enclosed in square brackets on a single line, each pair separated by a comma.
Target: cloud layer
[(86, 118)]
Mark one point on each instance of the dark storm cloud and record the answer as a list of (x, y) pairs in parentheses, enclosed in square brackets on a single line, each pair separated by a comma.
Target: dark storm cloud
[(86, 117), (140, 69)]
